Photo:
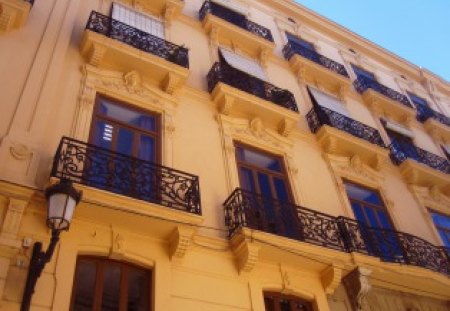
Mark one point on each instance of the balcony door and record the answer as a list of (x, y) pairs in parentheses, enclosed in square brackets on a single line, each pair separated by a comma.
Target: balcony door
[(129, 139), (263, 177), (376, 226)]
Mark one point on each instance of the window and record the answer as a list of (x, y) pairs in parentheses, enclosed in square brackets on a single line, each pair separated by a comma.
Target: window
[(418, 101), (442, 223), (300, 42), (376, 226), (125, 130), (279, 302), (264, 176), (363, 73), (368, 206), (107, 285)]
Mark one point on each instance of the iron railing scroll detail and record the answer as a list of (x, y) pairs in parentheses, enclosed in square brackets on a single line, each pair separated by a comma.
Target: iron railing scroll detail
[(424, 113), (291, 49), (104, 169), (222, 72), (319, 116), (401, 151), (250, 210), (362, 84), (138, 39), (234, 18)]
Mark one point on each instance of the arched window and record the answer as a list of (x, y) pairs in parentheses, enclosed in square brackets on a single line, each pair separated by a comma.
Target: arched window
[(279, 302), (101, 284)]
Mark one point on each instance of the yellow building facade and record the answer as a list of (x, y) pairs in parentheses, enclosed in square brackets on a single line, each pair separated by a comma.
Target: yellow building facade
[(233, 155)]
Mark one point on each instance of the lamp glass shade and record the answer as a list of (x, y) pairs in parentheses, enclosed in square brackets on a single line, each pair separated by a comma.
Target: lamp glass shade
[(60, 211)]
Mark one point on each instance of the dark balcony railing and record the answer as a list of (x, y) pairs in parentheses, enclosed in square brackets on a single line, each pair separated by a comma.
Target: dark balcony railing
[(222, 72), (138, 39), (291, 49), (247, 209), (362, 84), (425, 112), (319, 116), (401, 151), (101, 168), (234, 18)]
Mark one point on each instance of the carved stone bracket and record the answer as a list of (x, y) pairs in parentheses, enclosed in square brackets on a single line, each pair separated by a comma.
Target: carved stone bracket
[(245, 252), (179, 241), (358, 286), (331, 278)]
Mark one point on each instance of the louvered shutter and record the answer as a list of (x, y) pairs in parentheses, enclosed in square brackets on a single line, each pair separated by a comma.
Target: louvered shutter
[(329, 102), (243, 63)]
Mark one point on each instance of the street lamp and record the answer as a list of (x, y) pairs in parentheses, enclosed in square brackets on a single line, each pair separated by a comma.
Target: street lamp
[(62, 199)]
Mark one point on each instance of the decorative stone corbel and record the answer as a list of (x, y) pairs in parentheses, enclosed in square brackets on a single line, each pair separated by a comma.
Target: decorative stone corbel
[(264, 56), (358, 286), (342, 92), (301, 74), (95, 54), (256, 126), (179, 241), (245, 252), (331, 278), (285, 127), (378, 162), (171, 83), (132, 81), (169, 14), (214, 36), (117, 250), (225, 104)]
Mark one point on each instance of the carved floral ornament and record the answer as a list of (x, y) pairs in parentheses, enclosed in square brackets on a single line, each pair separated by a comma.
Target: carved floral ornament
[(128, 87)]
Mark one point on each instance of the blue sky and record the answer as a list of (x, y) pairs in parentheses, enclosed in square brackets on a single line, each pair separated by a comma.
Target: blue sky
[(416, 30)]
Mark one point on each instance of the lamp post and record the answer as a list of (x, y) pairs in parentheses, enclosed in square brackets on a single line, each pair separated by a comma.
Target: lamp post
[(62, 199)]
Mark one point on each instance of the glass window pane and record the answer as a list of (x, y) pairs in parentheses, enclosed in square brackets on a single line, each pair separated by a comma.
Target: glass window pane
[(300, 42), (362, 194), (247, 182), (103, 134), (125, 141), (441, 220), (258, 159), (372, 218), (384, 219), (138, 290), (110, 109), (85, 285), (264, 185), (281, 189), (147, 148), (111, 287)]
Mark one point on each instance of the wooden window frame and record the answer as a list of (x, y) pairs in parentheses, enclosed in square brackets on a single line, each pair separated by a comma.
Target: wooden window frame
[(368, 204), (277, 297), (96, 116), (100, 263), (283, 175)]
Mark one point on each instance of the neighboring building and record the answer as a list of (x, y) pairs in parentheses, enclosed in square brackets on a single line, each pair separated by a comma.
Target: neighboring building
[(233, 155)]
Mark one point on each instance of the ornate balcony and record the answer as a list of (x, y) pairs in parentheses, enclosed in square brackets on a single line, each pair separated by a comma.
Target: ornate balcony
[(385, 100), (106, 170), (312, 66), (342, 135), (108, 42), (245, 209), (436, 123), (230, 28), (14, 14), (236, 92), (421, 167)]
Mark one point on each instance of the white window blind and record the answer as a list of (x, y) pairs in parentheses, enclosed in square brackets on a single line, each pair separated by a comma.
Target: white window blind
[(243, 63), (393, 126), (138, 20), (232, 5), (329, 102)]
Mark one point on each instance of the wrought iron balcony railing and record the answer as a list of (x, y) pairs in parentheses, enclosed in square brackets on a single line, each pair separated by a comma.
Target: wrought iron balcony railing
[(425, 112), (222, 72), (138, 39), (401, 151), (362, 84), (319, 116), (247, 209), (291, 49), (234, 18), (104, 169)]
